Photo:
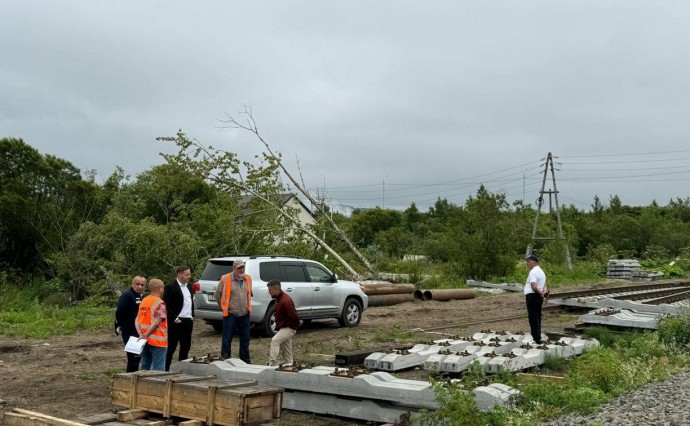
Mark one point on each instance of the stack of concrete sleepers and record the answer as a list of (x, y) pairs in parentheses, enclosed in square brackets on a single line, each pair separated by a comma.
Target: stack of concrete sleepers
[(622, 269), (493, 351)]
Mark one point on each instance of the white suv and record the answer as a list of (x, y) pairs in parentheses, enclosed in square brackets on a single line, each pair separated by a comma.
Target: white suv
[(316, 291)]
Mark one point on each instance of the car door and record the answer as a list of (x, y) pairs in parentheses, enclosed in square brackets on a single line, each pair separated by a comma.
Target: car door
[(296, 284), (326, 301)]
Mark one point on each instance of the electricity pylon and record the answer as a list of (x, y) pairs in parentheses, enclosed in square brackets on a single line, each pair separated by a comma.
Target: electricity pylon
[(540, 201)]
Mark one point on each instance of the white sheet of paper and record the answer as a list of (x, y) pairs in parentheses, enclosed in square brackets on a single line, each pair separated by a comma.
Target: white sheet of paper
[(135, 345)]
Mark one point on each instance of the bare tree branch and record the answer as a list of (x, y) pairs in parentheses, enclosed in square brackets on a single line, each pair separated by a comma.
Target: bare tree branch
[(251, 126)]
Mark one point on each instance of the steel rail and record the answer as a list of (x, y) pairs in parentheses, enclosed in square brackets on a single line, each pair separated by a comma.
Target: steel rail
[(613, 290), (678, 297), (646, 295)]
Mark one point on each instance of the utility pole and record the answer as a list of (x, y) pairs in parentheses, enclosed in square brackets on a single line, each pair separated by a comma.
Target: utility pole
[(383, 193), (548, 165)]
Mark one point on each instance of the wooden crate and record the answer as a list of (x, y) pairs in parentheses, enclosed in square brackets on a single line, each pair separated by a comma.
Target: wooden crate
[(206, 399)]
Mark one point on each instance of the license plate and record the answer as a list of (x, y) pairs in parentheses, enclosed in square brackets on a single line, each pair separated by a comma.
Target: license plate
[(211, 298)]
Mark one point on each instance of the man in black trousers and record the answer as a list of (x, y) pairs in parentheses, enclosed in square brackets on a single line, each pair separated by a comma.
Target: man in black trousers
[(178, 299), (126, 313)]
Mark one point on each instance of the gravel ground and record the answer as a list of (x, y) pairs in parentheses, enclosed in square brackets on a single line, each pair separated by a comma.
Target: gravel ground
[(660, 404)]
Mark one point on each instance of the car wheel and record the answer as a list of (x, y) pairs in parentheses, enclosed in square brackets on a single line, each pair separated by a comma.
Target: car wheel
[(352, 313), (269, 324), (217, 326)]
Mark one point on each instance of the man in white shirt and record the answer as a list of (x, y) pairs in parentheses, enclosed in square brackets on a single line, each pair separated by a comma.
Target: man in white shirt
[(178, 300), (535, 293)]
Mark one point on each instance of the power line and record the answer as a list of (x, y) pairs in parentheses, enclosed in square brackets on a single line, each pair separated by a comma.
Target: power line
[(623, 154)]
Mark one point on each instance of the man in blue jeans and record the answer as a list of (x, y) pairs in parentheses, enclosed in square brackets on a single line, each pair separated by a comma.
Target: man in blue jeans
[(152, 325), (234, 296)]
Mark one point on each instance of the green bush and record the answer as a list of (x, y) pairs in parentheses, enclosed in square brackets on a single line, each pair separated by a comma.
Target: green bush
[(600, 368), (675, 331), (456, 407)]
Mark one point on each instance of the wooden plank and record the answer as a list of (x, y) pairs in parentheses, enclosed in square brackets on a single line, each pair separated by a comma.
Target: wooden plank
[(211, 404), (131, 414), (254, 415), (16, 419), (167, 405), (98, 419), (262, 401), (147, 422), (277, 405), (191, 423), (46, 419)]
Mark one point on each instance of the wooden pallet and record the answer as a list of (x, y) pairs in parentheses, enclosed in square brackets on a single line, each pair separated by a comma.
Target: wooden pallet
[(201, 398), (20, 417)]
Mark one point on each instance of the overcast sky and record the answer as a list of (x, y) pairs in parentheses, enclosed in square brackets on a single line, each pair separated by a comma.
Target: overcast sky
[(383, 102)]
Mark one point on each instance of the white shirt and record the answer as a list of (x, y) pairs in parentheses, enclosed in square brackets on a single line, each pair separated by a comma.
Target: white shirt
[(536, 275), (186, 311)]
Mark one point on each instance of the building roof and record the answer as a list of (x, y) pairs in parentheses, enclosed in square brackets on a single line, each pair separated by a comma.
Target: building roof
[(283, 200)]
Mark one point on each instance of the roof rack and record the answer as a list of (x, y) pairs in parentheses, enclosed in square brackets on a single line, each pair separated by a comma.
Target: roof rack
[(274, 257), (254, 256)]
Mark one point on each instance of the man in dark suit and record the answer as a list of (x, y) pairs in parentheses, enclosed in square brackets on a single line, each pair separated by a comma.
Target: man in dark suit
[(126, 313), (178, 299)]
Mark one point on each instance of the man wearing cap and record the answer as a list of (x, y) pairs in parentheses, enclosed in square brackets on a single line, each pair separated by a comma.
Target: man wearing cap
[(234, 296), (535, 293)]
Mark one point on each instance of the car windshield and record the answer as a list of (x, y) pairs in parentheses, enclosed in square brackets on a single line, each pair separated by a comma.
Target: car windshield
[(216, 269)]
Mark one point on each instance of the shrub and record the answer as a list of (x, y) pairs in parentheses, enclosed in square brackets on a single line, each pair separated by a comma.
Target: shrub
[(456, 407), (675, 331), (599, 368)]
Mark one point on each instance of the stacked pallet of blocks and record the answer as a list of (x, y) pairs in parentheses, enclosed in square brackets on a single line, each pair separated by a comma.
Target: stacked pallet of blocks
[(622, 269)]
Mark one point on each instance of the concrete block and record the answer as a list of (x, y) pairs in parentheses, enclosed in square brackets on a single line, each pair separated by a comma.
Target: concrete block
[(332, 405), (377, 386), (433, 362), (372, 361), (621, 318), (496, 394)]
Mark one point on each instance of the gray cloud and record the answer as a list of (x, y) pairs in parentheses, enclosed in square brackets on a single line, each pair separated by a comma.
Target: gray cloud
[(428, 97)]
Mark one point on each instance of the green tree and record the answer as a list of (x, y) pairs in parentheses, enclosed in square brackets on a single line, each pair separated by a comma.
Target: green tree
[(43, 200)]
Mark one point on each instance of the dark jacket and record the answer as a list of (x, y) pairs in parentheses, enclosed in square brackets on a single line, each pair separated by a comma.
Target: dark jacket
[(286, 314), (126, 312), (174, 300)]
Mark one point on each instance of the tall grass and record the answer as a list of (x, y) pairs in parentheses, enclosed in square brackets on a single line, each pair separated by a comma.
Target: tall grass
[(625, 362), (23, 315)]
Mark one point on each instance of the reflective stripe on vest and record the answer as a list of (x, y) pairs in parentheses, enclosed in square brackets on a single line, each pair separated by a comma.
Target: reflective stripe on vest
[(227, 292), (147, 312)]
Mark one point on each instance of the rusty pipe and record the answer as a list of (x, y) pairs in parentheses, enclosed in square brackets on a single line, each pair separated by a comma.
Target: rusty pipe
[(380, 289), (390, 299), (451, 294), (419, 294)]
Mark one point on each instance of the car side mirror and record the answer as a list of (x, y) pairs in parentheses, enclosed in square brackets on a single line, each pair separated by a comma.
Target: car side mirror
[(335, 278)]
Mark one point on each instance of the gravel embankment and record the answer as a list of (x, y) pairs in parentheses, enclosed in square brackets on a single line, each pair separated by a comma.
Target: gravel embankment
[(661, 404)]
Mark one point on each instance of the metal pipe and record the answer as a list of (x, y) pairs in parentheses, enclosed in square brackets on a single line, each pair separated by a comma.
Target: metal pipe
[(419, 294), (451, 294), (390, 299), (375, 290)]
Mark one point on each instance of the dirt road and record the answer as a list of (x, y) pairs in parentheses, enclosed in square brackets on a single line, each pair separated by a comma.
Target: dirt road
[(70, 376)]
